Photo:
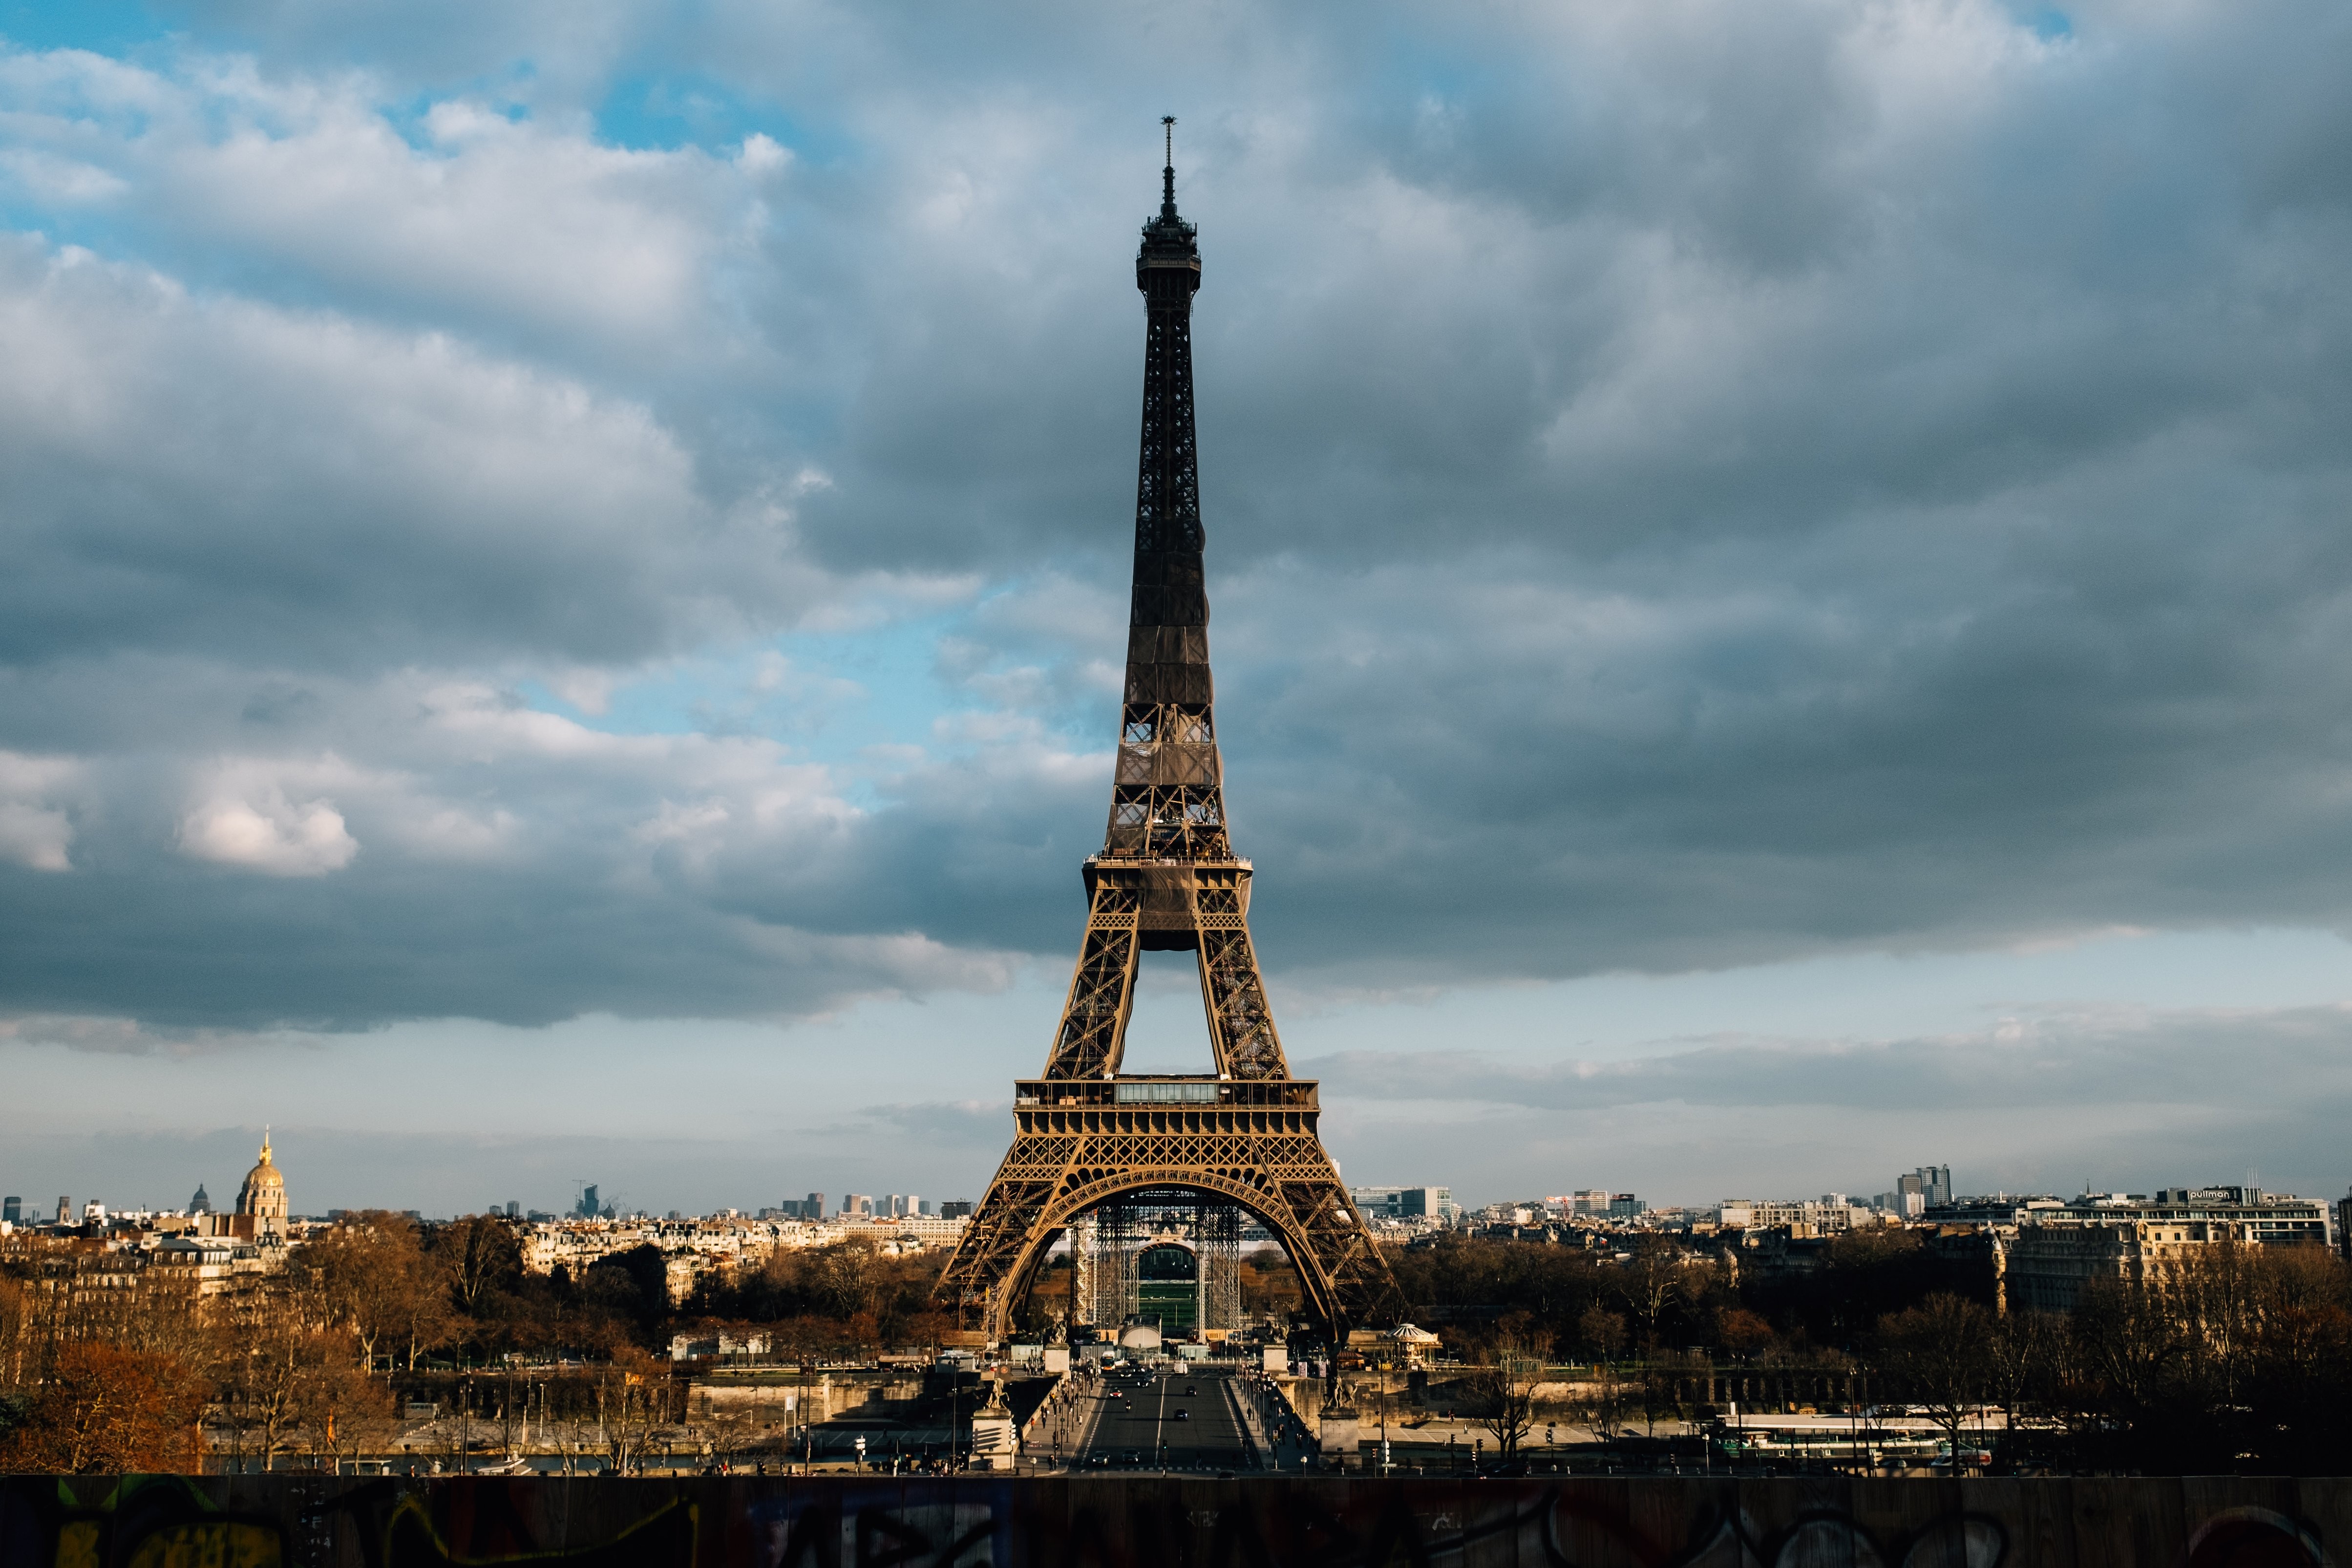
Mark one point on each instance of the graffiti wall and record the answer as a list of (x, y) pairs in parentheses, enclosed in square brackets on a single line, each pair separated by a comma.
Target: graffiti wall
[(297, 1521)]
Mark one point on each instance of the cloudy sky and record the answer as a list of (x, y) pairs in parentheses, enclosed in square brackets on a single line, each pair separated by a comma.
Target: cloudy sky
[(1782, 582)]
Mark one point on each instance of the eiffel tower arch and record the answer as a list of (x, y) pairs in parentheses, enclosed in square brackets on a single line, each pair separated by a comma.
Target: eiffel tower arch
[(1085, 1135)]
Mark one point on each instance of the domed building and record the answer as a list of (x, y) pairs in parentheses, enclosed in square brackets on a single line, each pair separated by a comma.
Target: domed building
[(261, 1202)]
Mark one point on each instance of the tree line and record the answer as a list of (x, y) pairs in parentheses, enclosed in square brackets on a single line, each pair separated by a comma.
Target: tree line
[(107, 1366), (2234, 1358)]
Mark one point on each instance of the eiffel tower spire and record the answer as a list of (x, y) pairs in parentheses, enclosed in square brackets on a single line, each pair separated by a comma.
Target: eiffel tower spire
[(1167, 878), (1168, 801)]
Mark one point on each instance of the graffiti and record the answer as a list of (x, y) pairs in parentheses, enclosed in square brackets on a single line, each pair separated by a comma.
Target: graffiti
[(885, 1527), (1139, 1521), (659, 1540), (2254, 1538), (1956, 1541), (152, 1522)]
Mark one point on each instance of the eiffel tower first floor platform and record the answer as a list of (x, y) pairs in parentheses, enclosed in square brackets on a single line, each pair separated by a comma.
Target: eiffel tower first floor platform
[(1080, 1143)]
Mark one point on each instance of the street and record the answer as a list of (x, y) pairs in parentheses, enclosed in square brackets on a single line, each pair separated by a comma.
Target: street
[(1180, 1419)]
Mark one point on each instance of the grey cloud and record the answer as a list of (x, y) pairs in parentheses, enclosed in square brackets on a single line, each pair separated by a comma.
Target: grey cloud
[(959, 1123), (506, 864), (215, 477), (2046, 1059), (1679, 495), (130, 1036), (2048, 1100)]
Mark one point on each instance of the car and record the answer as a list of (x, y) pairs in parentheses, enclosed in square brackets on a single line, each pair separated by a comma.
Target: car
[(1191, 1392), (1183, 1416)]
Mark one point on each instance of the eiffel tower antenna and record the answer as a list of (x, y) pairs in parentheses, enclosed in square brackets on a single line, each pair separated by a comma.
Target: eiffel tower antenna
[(1088, 1137)]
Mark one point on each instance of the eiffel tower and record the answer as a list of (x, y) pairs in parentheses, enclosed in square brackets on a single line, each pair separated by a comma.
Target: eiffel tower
[(1167, 879)]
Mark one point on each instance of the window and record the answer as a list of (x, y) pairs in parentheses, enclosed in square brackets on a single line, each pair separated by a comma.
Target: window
[(1196, 1091)]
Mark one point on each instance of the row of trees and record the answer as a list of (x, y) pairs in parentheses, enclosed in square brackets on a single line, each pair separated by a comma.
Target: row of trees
[(1569, 1304), (2233, 1358), (2238, 1356), (107, 1369), (107, 1366)]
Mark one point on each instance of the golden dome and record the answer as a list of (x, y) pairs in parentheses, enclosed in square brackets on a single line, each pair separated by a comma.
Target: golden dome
[(262, 1196), (265, 1175)]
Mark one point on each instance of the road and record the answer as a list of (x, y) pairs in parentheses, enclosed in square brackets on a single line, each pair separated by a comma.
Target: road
[(1136, 1425)]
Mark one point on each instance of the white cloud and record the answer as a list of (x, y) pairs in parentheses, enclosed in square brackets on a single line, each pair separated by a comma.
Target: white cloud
[(484, 214), (246, 817), (105, 1036), (35, 830), (764, 154)]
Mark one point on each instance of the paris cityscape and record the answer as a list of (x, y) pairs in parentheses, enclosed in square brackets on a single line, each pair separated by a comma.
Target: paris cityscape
[(638, 928)]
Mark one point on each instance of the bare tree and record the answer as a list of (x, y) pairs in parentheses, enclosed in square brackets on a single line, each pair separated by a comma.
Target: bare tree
[(2126, 1348), (99, 1408), (1604, 1410), (421, 1318), (339, 1405), (2024, 1354), (1942, 1355), (846, 1277), (479, 1254), (265, 1387), (365, 1272), (1743, 1333), (1602, 1330), (1502, 1389), (1653, 1282), (632, 1404)]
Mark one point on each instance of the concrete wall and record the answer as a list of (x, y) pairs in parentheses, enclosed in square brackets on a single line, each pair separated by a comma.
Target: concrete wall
[(823, 1397), (837, 1521)]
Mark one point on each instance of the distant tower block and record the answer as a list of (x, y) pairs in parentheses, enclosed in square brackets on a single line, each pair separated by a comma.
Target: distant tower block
[(1087, 1138)]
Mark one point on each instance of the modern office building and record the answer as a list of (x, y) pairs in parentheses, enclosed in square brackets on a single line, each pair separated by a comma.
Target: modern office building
[(1431, 1204)]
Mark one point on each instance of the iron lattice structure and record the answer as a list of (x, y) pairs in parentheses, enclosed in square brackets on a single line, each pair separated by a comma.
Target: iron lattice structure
[(1107, 1243), (1217, 1240), (1168, 879)]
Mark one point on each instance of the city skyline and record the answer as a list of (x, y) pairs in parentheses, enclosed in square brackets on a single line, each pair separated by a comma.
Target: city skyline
[(564, 588), (38, 1202)]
